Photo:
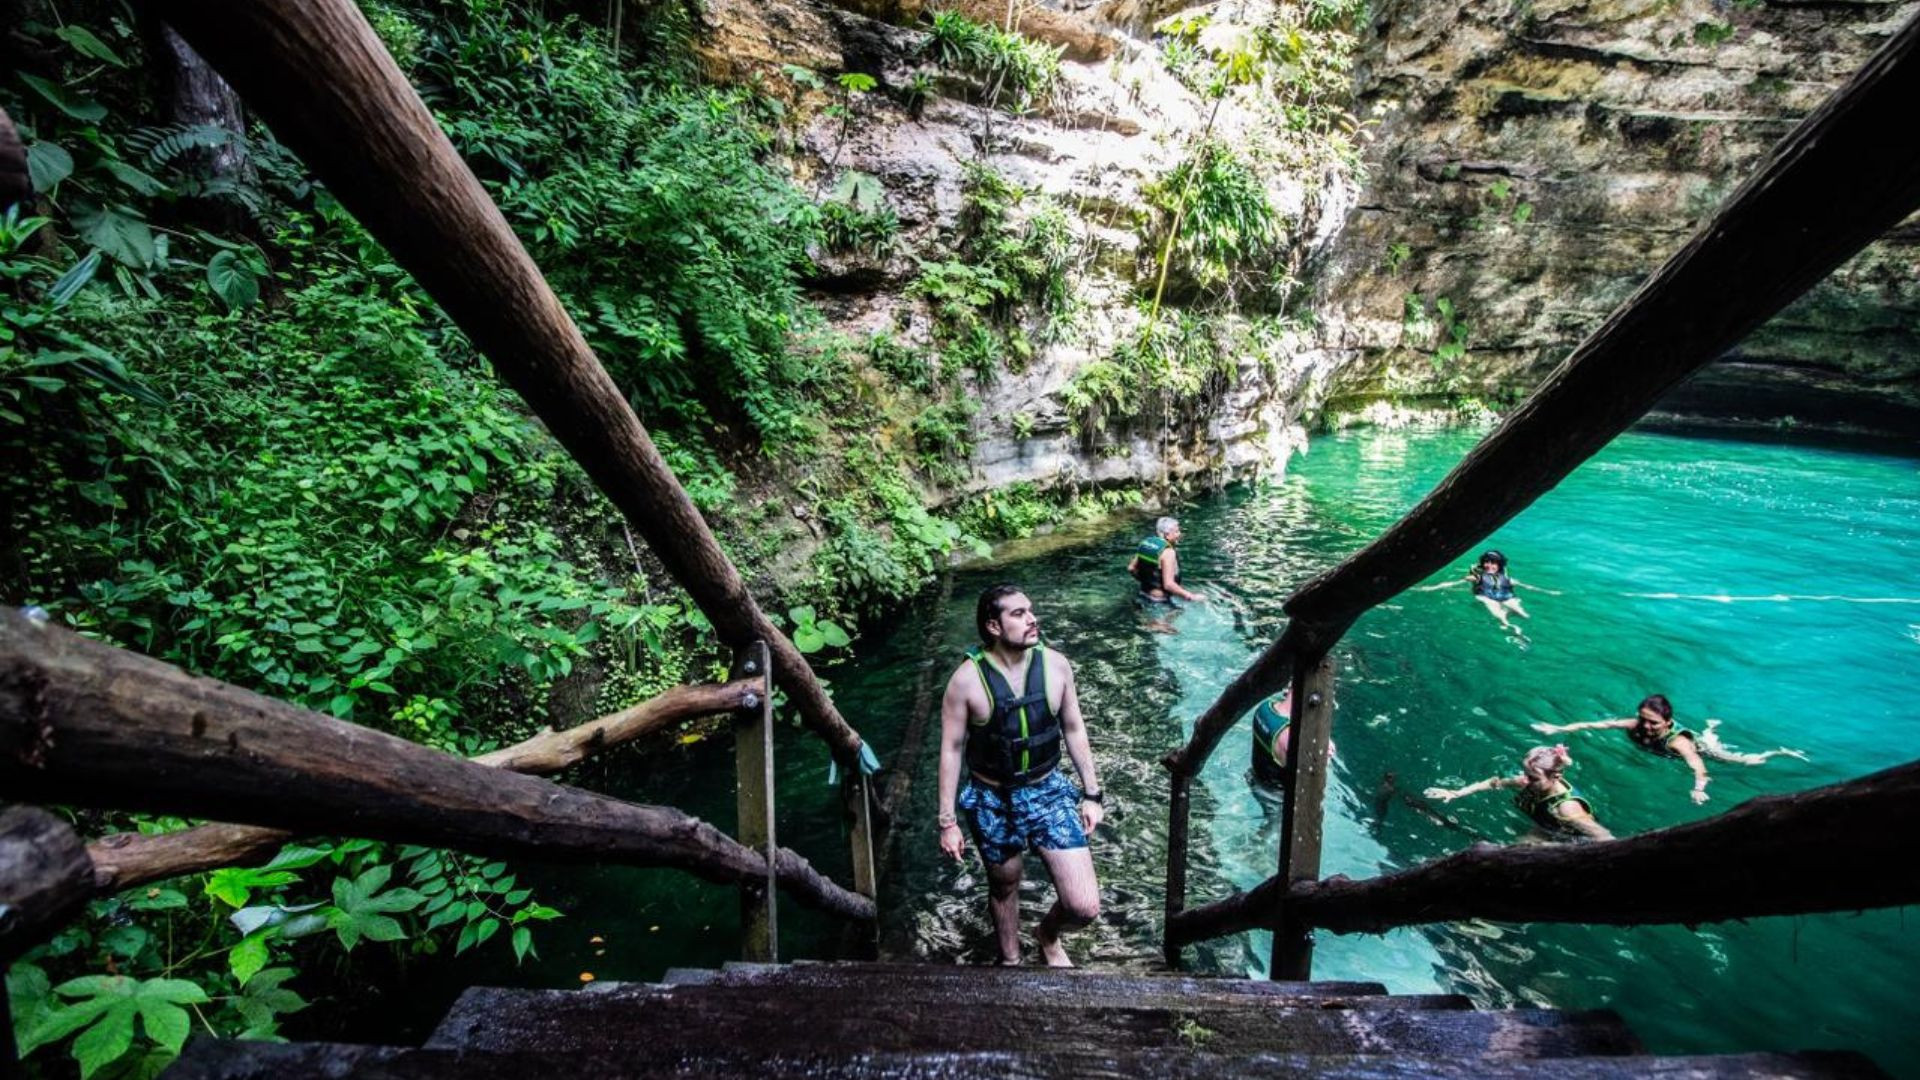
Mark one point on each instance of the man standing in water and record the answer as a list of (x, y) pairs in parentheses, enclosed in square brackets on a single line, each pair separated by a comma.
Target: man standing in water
[(1155, 565), (1016, 797)]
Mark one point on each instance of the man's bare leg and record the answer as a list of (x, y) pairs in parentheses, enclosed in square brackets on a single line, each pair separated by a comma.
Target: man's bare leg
[(1003, 903), (1078, 903)]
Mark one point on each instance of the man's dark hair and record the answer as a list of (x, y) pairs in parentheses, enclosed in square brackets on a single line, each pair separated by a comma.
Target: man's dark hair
[(989, 609)]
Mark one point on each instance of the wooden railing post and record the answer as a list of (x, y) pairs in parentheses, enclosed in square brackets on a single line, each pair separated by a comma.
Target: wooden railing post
[(45, 879), (754, 800), (1306, 793), (866, 877), (1179, 813)]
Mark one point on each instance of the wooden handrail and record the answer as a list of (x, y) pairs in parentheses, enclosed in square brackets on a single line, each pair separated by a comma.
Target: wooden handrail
[(327, 87), (126, 860), (1833, 185), (1843, 847), (85, 723)]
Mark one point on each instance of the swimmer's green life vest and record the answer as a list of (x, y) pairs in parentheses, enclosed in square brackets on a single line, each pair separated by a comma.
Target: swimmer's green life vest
[(1543, 808), (1268, 723), (1147, 570), (1019, 741), (1659, 744)]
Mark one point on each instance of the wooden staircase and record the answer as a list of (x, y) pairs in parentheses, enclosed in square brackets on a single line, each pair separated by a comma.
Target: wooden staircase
[(832, 1020)]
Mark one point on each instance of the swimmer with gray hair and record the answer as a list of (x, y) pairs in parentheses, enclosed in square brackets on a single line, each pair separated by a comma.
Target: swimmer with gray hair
[(1155, 565), (1557, 810)]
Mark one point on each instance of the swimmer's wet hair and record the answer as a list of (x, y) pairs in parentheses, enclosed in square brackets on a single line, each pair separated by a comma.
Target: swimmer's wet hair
[(1165, 526), (1658, 703), (1542, 760), (1494, 557)]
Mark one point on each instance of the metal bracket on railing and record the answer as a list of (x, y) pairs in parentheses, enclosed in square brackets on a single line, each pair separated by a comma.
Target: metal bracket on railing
[(754, 800)]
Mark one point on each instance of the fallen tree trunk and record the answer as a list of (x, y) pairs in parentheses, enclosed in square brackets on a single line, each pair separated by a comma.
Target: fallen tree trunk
[(1843, 847), (86, 723), (327, 87), (44, 880), (125, 860)]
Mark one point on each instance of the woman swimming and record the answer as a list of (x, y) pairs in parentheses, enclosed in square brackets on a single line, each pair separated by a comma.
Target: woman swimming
[(1494, 588), (1654, 731), (1558, 811)]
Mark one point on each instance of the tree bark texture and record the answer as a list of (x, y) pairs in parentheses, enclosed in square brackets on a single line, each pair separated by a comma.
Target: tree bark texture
[(86, 723), (16, 183), (125, 860), (321, 79), (45, 879), (1843, 847), (199, 97), (1831, 187)]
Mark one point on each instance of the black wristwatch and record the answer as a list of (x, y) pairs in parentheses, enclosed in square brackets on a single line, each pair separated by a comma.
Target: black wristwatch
[(1097, 798)]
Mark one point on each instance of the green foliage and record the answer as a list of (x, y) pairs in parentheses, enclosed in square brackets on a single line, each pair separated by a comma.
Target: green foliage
[(943, 436), (1230, 235), (1174, 366), (1396, 255), (1712, 33), (856, 217), (1016, 71), (812, 633), (1010, 255)]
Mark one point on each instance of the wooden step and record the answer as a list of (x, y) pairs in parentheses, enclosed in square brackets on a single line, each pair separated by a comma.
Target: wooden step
[(998, 994), (950, 978), (689, 1021), (209, 1059)]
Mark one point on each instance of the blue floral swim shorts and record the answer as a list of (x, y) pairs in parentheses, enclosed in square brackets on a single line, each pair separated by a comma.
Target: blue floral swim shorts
[(1044, 815)]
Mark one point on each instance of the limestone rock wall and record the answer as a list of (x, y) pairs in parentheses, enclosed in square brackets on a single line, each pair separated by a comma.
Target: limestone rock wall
[(1535, 160), (1117, 121)]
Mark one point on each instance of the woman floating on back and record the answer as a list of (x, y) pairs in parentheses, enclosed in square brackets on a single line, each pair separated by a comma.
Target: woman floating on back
[(1654, 731), (1494, 587), (1558, 811)]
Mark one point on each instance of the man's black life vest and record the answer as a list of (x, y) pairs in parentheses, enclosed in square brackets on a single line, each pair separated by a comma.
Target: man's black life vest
[(1019, 741), (1146, 567)]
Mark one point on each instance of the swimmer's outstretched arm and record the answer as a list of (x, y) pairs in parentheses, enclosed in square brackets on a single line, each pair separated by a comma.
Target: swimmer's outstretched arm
[(1489, 784), (1441, 584), (1584, 725), (1690, 754), (1536, 588)]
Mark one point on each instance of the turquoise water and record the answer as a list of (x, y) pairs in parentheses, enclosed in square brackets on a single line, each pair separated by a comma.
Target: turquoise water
[(1650, 546)]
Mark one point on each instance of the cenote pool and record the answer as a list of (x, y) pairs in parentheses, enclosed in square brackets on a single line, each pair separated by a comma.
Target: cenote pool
[(1769, 585)]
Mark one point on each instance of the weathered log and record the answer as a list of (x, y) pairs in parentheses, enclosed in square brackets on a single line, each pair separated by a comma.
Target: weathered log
[(327, 87), (1844, 847), (1774, 238), (82, 722), (45, 879), (125, 860), (199, 97), (1832, 186)]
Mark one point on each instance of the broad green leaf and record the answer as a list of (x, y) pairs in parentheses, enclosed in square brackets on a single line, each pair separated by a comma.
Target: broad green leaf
[(247, 958), (808, 638), (75, 105), (803, 615), (158, 900), (119, 232), (834, 636), (47, 165), (235, 886), (86, 44), (106, 1005), (264, 999), (135, 180), (235, 283)]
